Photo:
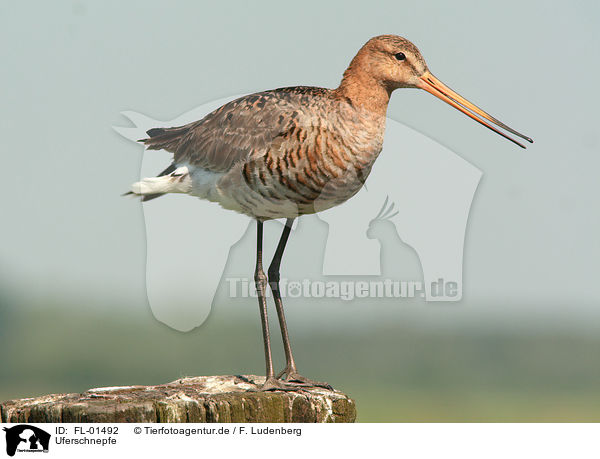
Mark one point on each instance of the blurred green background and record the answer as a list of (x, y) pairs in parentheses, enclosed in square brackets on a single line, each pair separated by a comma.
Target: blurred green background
[(522, 345), (396, 372)]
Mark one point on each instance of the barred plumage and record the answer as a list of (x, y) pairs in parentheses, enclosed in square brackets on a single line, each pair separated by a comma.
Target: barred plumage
[(294, 150)]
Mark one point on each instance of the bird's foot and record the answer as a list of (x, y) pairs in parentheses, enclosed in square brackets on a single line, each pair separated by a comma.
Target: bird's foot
[(273, 384), (291, 376)]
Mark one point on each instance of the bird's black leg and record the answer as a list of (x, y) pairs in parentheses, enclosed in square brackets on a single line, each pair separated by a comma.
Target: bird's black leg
[(271, 383), (261, 283), (290, 374)]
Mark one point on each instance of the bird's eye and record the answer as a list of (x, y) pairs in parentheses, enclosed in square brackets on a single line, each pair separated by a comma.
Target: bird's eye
[(400, 56)]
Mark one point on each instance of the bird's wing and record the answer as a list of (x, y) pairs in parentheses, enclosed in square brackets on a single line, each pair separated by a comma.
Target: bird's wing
[(235, 131)]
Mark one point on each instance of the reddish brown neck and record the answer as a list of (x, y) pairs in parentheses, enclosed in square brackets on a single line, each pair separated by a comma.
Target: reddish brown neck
[(363, 90)]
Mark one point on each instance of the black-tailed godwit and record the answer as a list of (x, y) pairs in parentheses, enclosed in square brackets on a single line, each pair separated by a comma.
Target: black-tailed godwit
[(293, 151)]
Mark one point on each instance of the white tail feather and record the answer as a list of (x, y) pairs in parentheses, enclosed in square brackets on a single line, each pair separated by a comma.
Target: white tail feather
[(177, 182)]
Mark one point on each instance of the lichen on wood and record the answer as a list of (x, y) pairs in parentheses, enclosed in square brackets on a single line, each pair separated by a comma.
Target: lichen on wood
[(195, 399)]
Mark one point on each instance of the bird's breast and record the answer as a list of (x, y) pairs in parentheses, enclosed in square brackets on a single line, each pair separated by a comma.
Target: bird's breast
[(316, 163)]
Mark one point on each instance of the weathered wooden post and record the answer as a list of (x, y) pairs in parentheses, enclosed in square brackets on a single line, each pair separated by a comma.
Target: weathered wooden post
[(198, 399)]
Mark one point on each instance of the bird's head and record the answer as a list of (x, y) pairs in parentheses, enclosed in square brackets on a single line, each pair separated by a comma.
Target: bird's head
[(394, 62)]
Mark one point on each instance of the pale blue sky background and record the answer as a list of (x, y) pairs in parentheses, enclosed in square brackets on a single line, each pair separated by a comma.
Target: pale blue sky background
[(69, 68)]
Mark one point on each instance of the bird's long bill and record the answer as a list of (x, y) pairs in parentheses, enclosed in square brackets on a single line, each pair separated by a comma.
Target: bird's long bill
[(434, 86)]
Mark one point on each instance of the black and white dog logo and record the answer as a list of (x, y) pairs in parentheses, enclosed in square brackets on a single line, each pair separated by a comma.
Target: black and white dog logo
[(26, 438)]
